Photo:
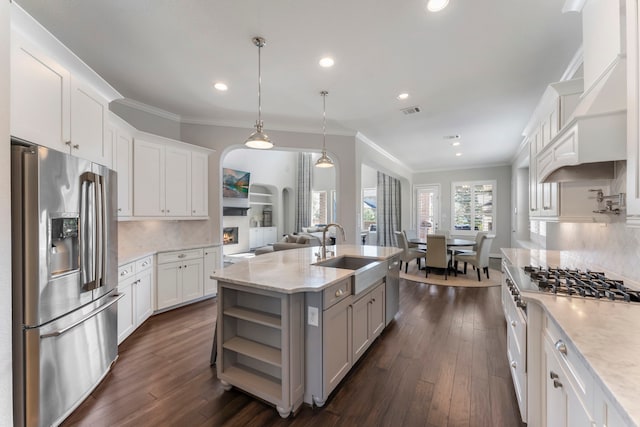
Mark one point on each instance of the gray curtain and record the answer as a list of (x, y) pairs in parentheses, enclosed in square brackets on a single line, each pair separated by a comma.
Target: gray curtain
[(388, 211), (303, 193)]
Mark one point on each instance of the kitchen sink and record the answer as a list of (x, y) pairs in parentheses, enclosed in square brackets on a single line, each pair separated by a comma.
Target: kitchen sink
[(367, 271)]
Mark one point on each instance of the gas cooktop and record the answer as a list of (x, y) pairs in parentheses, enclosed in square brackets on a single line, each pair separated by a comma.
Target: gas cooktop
[(587, 284)]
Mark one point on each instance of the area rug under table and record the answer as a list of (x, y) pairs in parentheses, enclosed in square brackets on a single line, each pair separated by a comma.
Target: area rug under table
[(469, 280)]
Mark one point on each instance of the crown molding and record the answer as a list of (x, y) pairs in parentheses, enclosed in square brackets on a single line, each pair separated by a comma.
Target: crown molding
[(574, 65), (489, 166), (243, 125), (128, 102), (382, 151)]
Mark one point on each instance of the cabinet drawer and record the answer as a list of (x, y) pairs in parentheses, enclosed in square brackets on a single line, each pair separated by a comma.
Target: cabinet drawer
[(568, 357), (166, 257), (144, 264), (127, 270), (337, 292), (516, 324)]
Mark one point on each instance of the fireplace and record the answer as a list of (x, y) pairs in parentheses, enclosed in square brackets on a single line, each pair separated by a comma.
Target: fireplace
[(230, 236)]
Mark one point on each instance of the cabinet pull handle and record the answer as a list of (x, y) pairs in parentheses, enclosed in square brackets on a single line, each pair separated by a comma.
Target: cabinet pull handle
[(119, 209), (161, 210), (553, 375), (513, 323), (514, 364), (193, 211), (124, 273), (168, 211), (561, 347), (76, 146), (557, 384), (339, 292), (67, 143), (181, 256), (179, 266), (546, 208), (144, 264)]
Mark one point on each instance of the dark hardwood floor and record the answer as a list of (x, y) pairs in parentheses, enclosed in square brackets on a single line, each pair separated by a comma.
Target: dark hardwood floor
[(442, 362)]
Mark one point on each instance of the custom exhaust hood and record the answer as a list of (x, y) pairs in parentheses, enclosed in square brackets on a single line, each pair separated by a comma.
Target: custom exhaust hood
[(234, 206), (595, 135)]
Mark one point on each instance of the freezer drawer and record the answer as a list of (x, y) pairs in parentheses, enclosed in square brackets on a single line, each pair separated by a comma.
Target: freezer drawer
[(66, 359)]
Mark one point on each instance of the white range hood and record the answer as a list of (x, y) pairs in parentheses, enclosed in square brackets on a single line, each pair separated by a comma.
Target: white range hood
[(595, 133)]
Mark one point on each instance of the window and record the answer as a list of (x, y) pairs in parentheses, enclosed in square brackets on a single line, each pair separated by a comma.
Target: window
[(369, 201), (473, 206), (318, 207)]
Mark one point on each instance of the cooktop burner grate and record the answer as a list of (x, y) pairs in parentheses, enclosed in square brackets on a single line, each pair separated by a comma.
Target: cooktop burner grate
[(588, 284)]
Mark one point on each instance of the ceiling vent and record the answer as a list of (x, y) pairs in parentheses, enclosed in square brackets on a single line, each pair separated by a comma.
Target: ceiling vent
[(411, 110)]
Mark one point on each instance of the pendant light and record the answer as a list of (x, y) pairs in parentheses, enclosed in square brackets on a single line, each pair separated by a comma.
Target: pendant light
[(324, 161), (259, 139)]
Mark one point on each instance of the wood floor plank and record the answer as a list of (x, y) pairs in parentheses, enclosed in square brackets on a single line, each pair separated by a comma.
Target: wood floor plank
[(441, 362)]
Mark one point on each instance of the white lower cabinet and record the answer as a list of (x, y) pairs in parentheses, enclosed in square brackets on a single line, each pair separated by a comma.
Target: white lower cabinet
[(136, 283), (262, 236), (212, 261), (180, 277), (368, 320)]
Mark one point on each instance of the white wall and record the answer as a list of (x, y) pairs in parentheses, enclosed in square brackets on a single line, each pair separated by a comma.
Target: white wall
[(502, 176), (224, 139), (6, 402), (368, 158)]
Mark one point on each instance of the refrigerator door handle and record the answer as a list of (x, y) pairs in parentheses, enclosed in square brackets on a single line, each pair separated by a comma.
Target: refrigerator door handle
[(89, 239), (100, 215), (95, 312)]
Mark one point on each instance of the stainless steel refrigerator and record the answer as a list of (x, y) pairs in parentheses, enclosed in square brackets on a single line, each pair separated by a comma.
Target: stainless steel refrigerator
[(64, 250)]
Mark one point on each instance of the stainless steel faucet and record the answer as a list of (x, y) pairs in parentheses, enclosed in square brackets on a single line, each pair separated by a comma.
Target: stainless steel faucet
[(324, 242)]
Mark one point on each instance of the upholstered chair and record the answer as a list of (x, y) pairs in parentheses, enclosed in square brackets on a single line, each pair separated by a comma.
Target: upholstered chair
[(408, 253), (437, 254), (479, 258)]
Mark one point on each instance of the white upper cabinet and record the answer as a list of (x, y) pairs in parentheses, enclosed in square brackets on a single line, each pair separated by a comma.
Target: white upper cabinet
[(89, 114), (177, 181), (165, 177), (199, 184), (633, 114), (603, 37), (121, 134), (40, 102), (148, 178), (56, 100)]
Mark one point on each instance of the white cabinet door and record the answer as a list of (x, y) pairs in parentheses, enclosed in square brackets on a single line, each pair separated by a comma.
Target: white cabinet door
[(192, 280), (255, 237), (40, 97), (336, 349), (533, 177), (556, 397), (89, 124), (199, 184), (143, 301), (633, 113), (126, 316), (123, 165), (177, 181), (169, 285), (148, 179), (211, 263), (270, 235)]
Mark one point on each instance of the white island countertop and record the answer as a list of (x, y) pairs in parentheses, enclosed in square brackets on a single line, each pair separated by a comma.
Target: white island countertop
[(291, 271), (604, 332)]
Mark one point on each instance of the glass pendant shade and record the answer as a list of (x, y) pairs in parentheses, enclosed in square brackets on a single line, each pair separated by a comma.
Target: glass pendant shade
[(259, 139), (324, 161)]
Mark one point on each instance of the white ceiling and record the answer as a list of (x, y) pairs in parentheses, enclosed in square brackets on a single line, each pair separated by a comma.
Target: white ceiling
[(477, 69)]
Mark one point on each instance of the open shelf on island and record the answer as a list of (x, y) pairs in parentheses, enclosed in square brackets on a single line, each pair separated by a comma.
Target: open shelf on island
[(255, 350), (262, 385), (255, 316)]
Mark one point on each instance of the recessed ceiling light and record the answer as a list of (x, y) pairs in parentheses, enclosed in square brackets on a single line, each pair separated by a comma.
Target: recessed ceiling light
[(403, 96), (326, 62), (455, 144), (436, 5), (458, 154), (220, 86)]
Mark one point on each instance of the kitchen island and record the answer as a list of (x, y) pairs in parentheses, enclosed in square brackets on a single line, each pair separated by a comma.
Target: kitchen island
[(289, 329), (581, 353)]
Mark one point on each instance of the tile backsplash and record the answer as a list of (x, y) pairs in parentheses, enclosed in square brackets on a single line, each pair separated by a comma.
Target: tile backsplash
[(162, 235), (613, 247)]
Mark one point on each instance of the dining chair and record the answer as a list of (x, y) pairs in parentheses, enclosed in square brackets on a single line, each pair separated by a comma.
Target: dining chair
[(437, 254), (474, 247), (411, 234), (408, 253), (480, 258)]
